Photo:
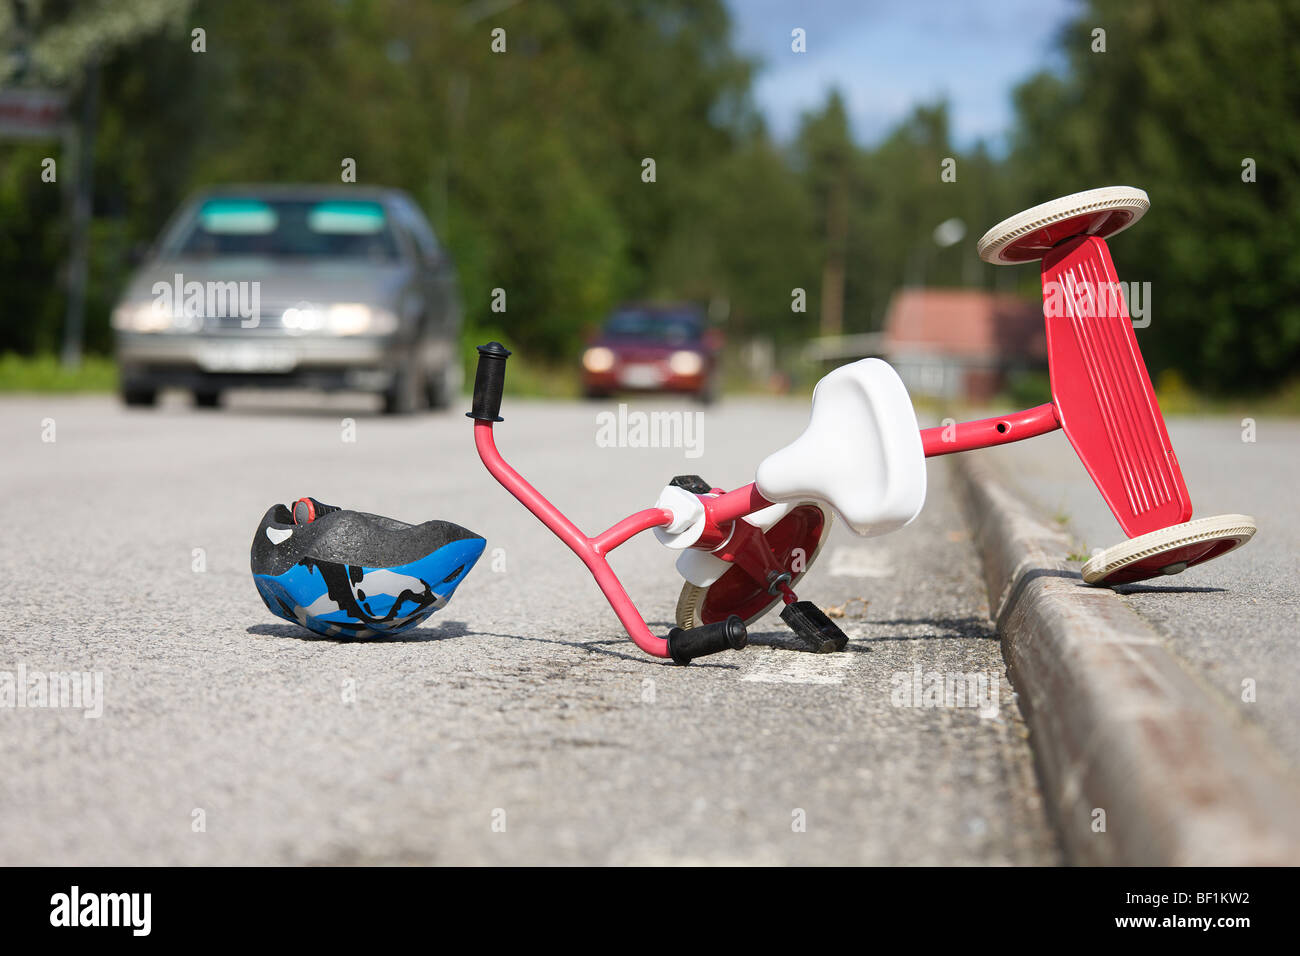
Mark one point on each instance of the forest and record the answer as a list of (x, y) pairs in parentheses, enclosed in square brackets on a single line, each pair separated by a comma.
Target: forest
[(527, 149)]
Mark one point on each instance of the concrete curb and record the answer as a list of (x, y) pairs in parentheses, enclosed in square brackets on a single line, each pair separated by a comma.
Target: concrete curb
[(1117, 724)]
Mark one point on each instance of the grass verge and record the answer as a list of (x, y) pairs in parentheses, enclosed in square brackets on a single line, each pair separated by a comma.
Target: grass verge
[(45, 373)]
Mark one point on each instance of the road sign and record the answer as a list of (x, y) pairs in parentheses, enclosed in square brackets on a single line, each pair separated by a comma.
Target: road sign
[(28, 113)]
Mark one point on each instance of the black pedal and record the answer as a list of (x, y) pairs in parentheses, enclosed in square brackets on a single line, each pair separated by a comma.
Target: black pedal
[(692, 483), (814, 628)]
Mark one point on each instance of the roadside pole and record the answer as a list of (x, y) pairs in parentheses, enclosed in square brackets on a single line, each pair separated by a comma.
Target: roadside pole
[(74, 325)]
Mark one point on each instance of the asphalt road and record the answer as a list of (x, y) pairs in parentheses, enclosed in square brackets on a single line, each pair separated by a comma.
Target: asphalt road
[(1235, 619), (519, 725)]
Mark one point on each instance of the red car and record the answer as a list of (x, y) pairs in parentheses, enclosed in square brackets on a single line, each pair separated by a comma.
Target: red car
[(653, 348)]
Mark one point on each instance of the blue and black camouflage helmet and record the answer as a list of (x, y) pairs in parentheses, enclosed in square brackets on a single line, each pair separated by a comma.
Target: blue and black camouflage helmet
[(350, 574)]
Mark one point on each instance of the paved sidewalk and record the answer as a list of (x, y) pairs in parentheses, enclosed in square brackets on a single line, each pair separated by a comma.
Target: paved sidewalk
[(1235, 619), (1141, 763)]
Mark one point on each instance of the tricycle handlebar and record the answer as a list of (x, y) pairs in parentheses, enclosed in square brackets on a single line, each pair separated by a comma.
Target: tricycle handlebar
[(489, 382)]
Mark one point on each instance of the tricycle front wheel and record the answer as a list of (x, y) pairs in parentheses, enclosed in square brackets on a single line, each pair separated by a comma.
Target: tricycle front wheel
[(796, 540)]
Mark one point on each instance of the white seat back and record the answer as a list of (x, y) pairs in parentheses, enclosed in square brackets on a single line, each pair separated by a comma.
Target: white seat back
[(861, 453)]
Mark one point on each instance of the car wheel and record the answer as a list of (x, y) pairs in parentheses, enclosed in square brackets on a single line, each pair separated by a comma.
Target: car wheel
[(136, 396), (405, 394), (207, 398), (708, 394), (445, 386)]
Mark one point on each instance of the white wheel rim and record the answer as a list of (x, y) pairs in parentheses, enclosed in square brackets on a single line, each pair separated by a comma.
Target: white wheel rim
[(994, 242), (1127, 553)]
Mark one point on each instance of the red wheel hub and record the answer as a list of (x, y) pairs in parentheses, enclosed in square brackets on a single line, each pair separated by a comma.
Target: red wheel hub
[(738, 593), (1034, 245), (1155, 565)]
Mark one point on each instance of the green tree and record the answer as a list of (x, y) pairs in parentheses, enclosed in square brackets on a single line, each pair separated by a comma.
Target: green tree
[(1183, 95)]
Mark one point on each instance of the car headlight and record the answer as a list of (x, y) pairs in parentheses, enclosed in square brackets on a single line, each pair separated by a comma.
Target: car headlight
[(142, 317), (302, 318), (598, 359), (355, 318), (686, 363), (343, 318)]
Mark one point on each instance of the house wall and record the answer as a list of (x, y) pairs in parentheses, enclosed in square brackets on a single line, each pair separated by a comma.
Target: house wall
[(936, 375)]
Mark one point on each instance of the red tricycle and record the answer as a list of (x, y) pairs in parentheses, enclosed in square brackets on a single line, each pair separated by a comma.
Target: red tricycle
[(862, 456)]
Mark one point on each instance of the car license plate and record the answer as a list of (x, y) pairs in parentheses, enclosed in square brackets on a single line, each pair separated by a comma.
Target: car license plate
[(245, 357), (640, 376)]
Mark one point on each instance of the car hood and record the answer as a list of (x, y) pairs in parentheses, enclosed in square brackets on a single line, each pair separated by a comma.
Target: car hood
[(645, 348), (278, 281)]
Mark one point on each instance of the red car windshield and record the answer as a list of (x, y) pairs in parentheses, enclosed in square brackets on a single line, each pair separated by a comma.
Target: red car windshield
[(670, 328)]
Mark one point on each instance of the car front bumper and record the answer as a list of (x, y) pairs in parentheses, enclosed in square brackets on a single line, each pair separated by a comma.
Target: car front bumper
[(199, 360), (658, 380)]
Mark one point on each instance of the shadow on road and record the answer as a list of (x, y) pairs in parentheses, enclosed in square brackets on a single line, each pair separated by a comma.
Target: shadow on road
[(1165, 589), (938, 628), (417, 635)]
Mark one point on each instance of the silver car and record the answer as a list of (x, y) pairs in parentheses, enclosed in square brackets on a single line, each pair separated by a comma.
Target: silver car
[(341, 287)]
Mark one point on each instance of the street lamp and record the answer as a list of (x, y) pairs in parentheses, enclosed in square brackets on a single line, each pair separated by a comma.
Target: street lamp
[(949, 233)]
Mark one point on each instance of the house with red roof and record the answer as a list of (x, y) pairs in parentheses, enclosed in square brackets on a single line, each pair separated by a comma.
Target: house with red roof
[(962, 343)]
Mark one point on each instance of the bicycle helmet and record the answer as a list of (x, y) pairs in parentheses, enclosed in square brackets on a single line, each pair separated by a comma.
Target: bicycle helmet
[(352, 574)]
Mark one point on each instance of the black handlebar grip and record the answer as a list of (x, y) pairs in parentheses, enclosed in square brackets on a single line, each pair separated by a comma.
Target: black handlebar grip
[(489, 381), (686, 645)]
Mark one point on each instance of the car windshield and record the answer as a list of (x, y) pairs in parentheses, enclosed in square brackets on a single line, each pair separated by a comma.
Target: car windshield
[(673, 328), (287, 228)]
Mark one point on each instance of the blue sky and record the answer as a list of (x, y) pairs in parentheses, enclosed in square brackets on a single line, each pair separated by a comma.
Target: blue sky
[(886, 55)]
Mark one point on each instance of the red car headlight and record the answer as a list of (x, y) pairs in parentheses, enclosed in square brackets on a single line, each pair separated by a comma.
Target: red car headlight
[(686, 362), (598, 359)]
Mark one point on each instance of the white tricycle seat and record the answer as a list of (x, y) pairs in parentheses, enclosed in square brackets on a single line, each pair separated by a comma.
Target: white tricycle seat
[(861, 453)]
